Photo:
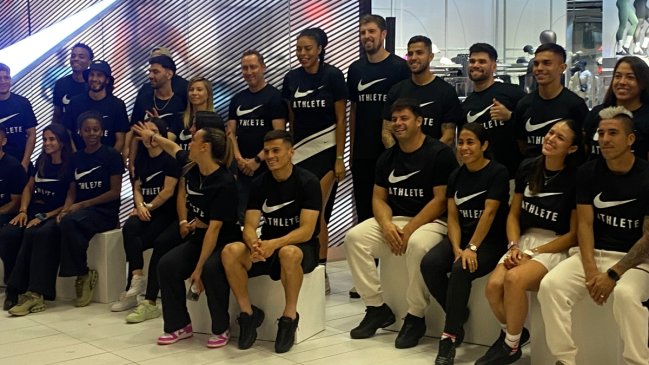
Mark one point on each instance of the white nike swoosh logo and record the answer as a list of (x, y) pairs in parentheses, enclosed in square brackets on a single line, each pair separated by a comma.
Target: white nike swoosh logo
[(65, 99), (269, 209), (424, 104), (106, 116), (528, 193), (149, 117), (362, 86), (598, 203), (39, 179), (532, 127), (152, 176), (2, 120), (302, 94), (184, 137), (460, 201), (78, 175), (472, 118), (395, 179), (241, 112), (192, 192)]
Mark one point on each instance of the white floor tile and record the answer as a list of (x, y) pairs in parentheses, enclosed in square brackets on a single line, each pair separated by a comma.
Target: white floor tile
[(51, 356)]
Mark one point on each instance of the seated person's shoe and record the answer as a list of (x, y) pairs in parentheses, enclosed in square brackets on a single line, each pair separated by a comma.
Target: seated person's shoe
[(503, 355), (175, 336), (353, 293), (216, 341), (411, 332), (143, 312), (85, 287), (123, 303), (10, 301), (248, 324), (286, 333), (29, 303), (375, 318), (446, 352)]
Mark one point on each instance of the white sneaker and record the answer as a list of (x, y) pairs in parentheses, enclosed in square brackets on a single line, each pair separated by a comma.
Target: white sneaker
[(124, 303), (138, 286)]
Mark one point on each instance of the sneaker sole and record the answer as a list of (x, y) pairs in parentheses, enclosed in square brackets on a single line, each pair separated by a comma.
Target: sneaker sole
[(33, 309), (94, 276), (387, 323), (217, 344)]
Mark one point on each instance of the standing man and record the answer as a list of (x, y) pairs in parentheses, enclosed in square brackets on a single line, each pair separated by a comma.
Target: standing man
[(72, 85), (178, 83), (491, 104), (409, 204), (440, 107), (253, 112), (549, 103), (613, 235), (289, 199), (17, 119), (99, 98)]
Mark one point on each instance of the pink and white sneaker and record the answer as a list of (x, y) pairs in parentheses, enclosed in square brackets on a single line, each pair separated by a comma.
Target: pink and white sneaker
[(175, 336), (221, 340)]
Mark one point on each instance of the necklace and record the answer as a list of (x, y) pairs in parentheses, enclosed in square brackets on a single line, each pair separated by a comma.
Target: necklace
[(155, 104), (549, 177)]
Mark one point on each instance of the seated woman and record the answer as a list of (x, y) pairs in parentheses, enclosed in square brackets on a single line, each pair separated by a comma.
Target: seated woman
[(537, 242), (34, 274), (477, 192), (212, 198), (91, 205)]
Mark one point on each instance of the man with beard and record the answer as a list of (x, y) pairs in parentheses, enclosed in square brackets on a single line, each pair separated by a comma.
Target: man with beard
[(491, 104), (72, 85), (99, 98), (440, 107)]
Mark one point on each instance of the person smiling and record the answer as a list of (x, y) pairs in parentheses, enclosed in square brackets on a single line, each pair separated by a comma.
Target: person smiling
[(200, 97), (74, 84)]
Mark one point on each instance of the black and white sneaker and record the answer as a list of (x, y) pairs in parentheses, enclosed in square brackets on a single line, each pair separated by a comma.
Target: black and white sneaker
[(446, 352)]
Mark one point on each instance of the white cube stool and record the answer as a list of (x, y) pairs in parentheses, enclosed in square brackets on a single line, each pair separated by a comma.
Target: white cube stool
[(481, 328), (106, 255), (268, 295)]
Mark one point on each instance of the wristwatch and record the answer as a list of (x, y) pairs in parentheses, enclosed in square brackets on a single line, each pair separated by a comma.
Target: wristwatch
[(613, 274), (257, 159), (41, 216), (473, 247)]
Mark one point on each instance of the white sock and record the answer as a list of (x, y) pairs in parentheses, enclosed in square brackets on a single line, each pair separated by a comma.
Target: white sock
[(512, 340), (627, 41)]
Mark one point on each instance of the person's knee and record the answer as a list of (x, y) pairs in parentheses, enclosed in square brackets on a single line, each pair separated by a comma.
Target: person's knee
[(166, 266), (212, 268), (514, 278), (130, 226), (232, 253), (494, 287), (290, 256), (458, 271), (547, 287), (353, 237), (624, 295)]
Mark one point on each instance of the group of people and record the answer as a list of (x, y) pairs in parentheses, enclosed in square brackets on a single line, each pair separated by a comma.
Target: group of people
[(223, 201)]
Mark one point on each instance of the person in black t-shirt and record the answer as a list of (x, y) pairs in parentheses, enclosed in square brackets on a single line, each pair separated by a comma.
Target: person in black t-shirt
[(477, 192), (91, 205), (12, 182), (253, 112), (440, 106), (34, 232), (178, 84), (492, 104), (629, 88), (541, 226), (100, 99), (211, 196), (288, 198), (201, 98), (409, 203), (551, 102), (613, 232), (72, 85), (17, 119)]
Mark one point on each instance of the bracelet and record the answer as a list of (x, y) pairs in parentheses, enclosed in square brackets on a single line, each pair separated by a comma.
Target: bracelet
[(184, 221), (530, 253), (512, 244), (340, 157)]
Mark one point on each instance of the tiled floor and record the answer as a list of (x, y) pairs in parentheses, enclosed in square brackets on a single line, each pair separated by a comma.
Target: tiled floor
[(93, 335)]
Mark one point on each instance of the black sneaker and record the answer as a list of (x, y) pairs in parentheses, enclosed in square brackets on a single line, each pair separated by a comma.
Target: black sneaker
[(525, 337), (446, 352), (503, 355), (353, 293), (375, 318), (411, 332), (496, 347), (248, 324), (286, 333)]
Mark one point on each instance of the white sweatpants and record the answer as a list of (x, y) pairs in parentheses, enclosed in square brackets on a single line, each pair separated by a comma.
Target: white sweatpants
[(365, 242), (565, 285)]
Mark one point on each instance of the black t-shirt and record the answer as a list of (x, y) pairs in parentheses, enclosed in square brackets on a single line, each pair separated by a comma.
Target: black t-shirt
[(12, 178), (65, 89), (620, 202), (640, 124), (551, 207), (368, 85), (502, 136), (212, 198), (50, 187), (152, 171), (179, 86), (16, 117), (170, 111), (535, 116), (438, 102), (411, 177), (470, 190), (281, 202), (312, 98), (92, 173), (112, 109), (254, 114)]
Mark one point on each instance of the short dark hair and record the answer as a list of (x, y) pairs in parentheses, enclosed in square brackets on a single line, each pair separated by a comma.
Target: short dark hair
[(254, 52), (406, 103), (373, 18), (478, 129), (423, 39), (164, 61), (554, 48), (91, 114), (279, 134), (5, 68), (91, 54), (486, 48)]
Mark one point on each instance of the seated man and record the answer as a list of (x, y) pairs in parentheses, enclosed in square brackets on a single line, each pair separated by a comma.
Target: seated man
[(289, 199), (613, 234), (409, 205)]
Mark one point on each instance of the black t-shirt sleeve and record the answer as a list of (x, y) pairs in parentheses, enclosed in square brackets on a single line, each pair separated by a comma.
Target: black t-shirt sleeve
[(18, 181), (499, 188), (445, 163), (380, 177), (312, 194), (453, 113), (580, 111), (232, 113), (339, 88), (584, 179), (138, 108), (121, 119), (255, 200), (389, 100), (172, 168), (521, 108), (351, 83), (115, 163), (58, 94), (278, 107), (182, 157), (450, 187), (286, 92), (69, 120), (224, 201)]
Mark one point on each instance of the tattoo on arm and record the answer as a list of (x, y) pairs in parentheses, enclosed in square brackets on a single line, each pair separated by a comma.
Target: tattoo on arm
[(638, 253)]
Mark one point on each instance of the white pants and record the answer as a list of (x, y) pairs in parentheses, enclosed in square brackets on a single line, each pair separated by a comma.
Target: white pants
[(565, 285), (365, 242)]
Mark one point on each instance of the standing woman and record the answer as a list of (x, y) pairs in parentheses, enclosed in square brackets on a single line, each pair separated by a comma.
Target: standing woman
[(212, 197), (91, 205), (537, 243), (200, 98), (317, 97), (34, 230), (477, 192)]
